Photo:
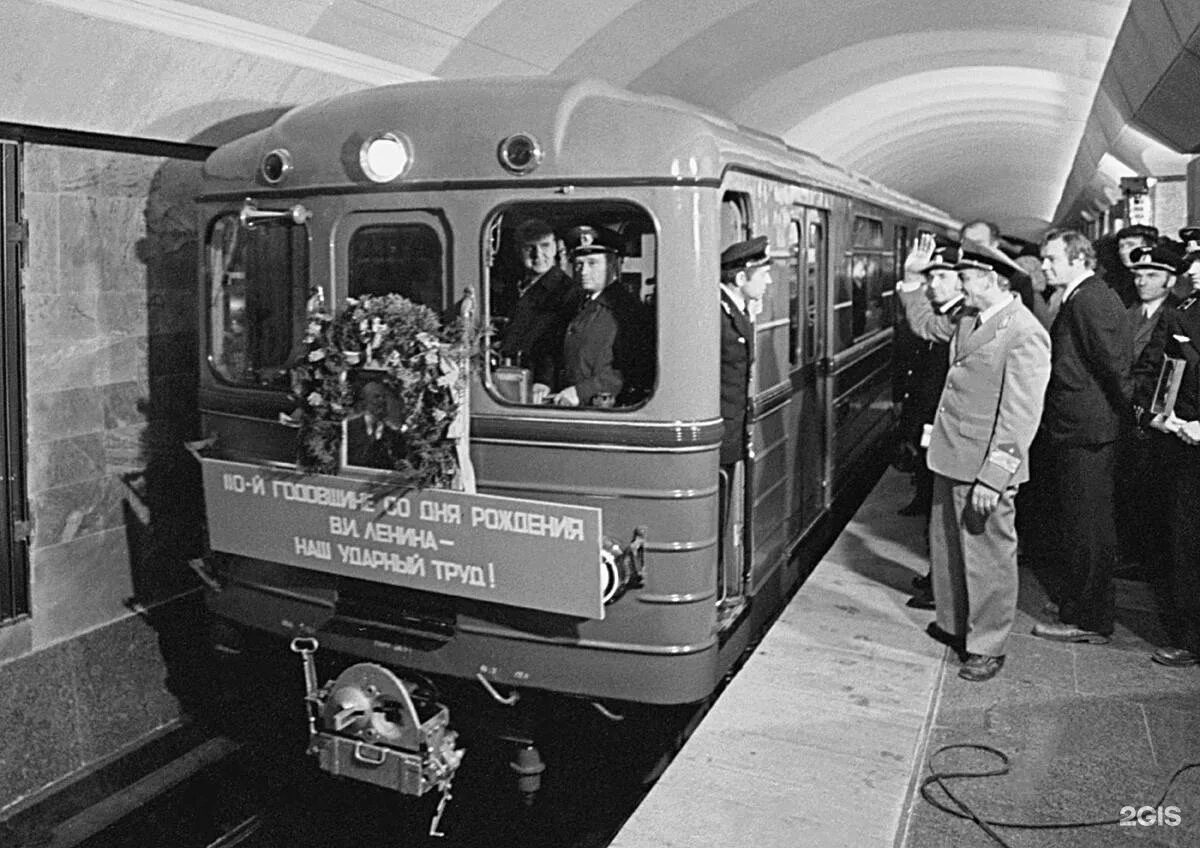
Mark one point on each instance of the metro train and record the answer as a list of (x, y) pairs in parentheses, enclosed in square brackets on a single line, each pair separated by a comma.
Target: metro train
[(589, 562)]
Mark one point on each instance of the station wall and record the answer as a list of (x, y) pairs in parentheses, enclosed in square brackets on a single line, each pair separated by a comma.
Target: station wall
[(109, 291)]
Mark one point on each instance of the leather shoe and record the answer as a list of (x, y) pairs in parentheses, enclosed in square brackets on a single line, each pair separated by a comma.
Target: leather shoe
[(1176, 657), (956, 643), (979, 668), (921, 601), (1069, 633)]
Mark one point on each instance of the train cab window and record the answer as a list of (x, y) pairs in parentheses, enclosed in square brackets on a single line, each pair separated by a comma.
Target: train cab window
[(257, 280), (569, 333), (400, 258)]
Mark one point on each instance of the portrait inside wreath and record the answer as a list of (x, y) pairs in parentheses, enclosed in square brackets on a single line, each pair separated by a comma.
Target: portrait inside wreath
[(372, 437)]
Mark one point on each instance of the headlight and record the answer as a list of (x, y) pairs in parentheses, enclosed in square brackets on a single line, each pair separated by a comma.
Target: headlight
[(276, 165), (384, 157), (520, 153)]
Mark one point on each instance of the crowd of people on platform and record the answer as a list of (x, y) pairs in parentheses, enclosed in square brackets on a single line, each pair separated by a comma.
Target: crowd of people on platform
[(1058, 395)]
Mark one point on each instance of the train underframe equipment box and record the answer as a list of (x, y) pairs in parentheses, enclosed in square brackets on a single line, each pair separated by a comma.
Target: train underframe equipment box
[(369, 725)]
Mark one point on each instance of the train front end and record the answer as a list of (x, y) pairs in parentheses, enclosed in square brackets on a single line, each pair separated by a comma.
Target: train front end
[(569, 550)]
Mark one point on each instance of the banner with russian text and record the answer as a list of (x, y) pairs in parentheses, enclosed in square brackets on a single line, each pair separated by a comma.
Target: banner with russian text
[(529, 554)]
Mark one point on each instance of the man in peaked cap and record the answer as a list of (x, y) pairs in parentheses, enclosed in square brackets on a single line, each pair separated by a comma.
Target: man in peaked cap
[(984, 424), (1177, 336), (1154, 270), (600, 349), (1190, 236), (745, 275), (1142, 454), (924, 379)]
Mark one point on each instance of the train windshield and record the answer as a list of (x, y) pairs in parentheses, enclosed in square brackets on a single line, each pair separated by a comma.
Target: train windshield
[(571, 303), (257, 283)]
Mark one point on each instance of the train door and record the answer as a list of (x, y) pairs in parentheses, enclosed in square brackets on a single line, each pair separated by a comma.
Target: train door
[(812, 478)]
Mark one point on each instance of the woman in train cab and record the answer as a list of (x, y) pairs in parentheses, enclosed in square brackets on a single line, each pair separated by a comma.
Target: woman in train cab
[(598, 356)]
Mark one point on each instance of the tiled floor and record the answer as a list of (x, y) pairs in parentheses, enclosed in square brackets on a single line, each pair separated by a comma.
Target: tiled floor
[(822, 738)]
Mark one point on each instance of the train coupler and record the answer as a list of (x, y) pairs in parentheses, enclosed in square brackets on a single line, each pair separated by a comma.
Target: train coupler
[(370, 725)]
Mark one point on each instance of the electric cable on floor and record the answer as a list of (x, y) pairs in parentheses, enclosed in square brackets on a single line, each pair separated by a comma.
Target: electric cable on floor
[(964, 811)]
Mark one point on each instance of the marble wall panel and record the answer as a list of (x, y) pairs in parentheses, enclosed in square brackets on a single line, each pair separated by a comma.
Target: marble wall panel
[(41, 171), (102, 173), (125, 449), (80, 252), (124, 403), (66, 461), (41, 271), (123, 313), (81, 584), (65, 513), (55, 367), (61, 414), (62, 317)]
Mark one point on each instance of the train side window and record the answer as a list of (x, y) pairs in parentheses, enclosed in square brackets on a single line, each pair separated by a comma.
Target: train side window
[(735, 218), (257, 279), (391, 258), (864, 302), (794, 271), (542, 343), (814, 282)]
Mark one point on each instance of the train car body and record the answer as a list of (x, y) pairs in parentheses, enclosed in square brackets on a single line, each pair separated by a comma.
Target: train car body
[(679, 185)]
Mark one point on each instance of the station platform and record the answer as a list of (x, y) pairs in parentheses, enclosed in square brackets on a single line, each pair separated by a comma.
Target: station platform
[(822, 738)]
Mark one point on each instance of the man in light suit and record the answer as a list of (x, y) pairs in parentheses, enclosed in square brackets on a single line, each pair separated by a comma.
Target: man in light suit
[(978, 448), (1088, 407)]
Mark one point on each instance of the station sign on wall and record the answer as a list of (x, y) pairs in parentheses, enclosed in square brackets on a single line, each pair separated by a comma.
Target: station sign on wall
[(530, 554)]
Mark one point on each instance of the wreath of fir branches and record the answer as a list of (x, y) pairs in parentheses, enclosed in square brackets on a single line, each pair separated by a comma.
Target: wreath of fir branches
[(419, 361)]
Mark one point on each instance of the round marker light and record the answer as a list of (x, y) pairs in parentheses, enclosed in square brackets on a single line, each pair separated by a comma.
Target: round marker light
[(276, 165), (384, 157), (520, 153)]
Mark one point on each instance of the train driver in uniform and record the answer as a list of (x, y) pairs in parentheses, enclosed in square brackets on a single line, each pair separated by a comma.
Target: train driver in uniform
[(745, 275), (598, 348)]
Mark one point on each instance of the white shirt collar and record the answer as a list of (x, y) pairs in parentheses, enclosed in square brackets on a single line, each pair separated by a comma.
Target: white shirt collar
[(949, 304), (1150, 307), (1074, 284), (735, 296), (994, 308)]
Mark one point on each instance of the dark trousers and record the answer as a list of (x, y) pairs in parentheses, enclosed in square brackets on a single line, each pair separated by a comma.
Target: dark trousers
[(1141, 497), (1084, 534), (1182, 604)]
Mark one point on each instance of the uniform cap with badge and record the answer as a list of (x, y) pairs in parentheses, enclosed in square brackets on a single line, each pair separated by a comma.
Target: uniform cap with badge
[(985, 262), (751, 253), (586, 239), (944, 258), (1158, 258), (1190, 233)]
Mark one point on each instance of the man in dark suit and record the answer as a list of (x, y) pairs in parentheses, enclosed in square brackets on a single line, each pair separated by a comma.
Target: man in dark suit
[(371, 440), (539, 305), (1178, 336), (978, 450), (1141, 502), (1087, 408)]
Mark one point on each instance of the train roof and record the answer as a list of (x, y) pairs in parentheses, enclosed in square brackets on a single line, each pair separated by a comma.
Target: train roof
[(455, 128)]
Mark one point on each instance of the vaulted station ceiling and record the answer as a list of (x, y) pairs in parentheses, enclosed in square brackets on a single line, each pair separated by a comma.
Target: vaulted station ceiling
[(985, 109)]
